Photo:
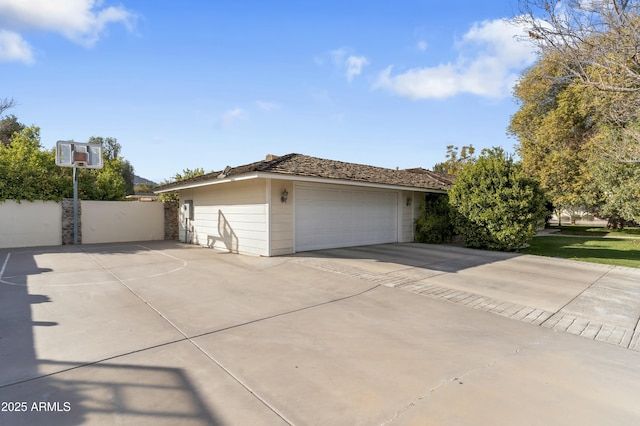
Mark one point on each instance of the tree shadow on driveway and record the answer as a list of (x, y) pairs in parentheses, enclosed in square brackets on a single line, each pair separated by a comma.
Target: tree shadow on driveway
[(443, 258)]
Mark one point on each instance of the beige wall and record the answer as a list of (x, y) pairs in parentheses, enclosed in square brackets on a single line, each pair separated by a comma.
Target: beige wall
[(249, 216), (281, 218), (407, 214), (121, 221), (231, 216), (29, 224)]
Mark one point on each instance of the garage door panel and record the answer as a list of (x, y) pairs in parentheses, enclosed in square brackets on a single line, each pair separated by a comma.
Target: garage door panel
[(341, 217)]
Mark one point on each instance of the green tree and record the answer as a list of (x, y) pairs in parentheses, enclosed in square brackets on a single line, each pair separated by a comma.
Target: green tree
[(111, 149), (434, 223), (594, 41), (127, 173), (495, 205), (569, 140), (144, 188), (29, 172), (456, 160), (616, 189), (594, 44), (554, 127), (110, 146), (186, 174), (9, 125), (110, 185)]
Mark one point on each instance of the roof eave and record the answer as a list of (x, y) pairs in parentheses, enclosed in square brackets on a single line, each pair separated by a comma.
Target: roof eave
[(297, 178), (207, 182), (317, 179)]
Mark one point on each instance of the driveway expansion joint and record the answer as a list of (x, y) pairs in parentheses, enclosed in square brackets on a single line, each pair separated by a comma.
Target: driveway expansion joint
[(413, 280)]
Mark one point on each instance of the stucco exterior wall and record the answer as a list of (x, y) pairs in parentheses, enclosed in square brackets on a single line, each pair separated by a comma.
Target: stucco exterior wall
[(230, 217), (121, 221), (29, 224)]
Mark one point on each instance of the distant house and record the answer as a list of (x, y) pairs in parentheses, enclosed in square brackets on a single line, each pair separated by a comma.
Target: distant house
[(142, 197), (292, 203)]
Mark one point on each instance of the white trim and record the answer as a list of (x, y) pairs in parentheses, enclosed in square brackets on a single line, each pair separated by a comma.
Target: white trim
[(213, 181), (399, 215), (268, 216), (296, 178), (322, 180), (293, 222), (413, 218)]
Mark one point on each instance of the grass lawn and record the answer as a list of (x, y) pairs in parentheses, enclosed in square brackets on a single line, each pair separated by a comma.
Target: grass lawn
[(597, 231), (610, 251)]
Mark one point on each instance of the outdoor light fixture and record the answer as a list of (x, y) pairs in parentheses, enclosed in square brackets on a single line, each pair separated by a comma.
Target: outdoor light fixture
[(409, 201), (284, 196)]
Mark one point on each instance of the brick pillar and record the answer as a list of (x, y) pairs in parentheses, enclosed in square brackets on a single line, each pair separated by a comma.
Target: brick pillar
[(171, 228), (67, 221)]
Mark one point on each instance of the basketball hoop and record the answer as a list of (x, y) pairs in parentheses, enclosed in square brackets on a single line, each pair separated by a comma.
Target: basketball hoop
[(79, 156)]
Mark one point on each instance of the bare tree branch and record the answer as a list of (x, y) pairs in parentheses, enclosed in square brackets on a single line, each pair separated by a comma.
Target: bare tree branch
[(6, 104), (598, 40), (596, 43)]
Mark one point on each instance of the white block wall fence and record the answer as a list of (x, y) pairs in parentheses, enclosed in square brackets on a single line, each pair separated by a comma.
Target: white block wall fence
[(47, 223), (28, 224), (121, 221)]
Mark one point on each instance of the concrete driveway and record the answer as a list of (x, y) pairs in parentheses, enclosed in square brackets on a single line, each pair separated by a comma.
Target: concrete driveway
[(162, 333)]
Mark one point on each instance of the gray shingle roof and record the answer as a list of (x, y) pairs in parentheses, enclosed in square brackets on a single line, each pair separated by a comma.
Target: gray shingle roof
[(306, 166)]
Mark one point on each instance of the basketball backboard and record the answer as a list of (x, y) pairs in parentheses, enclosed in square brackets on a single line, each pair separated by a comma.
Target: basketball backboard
[(77, 154)]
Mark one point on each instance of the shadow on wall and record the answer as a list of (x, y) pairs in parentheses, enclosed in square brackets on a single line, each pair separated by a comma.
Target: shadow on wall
[(226, 235)]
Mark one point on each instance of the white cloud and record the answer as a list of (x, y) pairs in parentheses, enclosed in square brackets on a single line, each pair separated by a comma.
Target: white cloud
[(338, 56), (422, 45), (231, 116), (345, 61), (488, 64), (354, 66), (13, 48), (267, 106), (82, 21)]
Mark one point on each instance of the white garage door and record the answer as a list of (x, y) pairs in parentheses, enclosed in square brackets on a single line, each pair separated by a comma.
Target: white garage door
[(327, 217)]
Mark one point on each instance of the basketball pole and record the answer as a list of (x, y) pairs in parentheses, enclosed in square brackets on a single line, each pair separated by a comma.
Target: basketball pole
[(78, 155), (75, 206)]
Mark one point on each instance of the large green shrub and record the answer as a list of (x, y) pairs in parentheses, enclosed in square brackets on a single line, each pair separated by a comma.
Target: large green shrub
[(27, 172), (434, 223), (495, 206)]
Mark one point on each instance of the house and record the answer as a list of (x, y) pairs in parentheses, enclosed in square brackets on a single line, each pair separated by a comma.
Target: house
[(293, 203)]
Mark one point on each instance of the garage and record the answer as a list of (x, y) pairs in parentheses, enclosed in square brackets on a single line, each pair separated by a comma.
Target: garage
[(292, 203), (329, 216)]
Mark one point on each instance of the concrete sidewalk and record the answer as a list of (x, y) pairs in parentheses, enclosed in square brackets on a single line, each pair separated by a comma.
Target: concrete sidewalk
[(161, 333)]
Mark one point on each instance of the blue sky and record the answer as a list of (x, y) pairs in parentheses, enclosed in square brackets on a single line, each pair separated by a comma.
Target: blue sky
[(210, 83)]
